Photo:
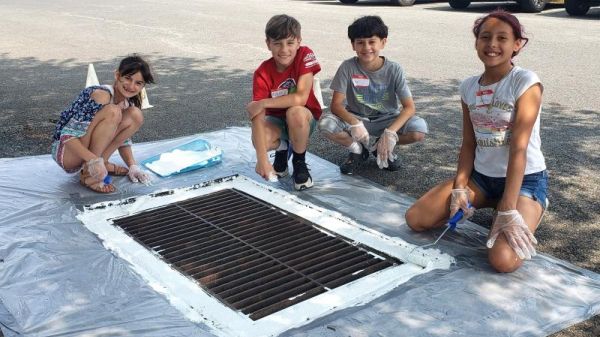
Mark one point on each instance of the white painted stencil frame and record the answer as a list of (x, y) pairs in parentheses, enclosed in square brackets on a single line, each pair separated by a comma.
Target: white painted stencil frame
[(199, 306)]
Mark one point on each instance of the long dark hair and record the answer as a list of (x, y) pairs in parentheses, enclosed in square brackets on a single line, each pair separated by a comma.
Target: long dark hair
[(131, 65), (506, 17)]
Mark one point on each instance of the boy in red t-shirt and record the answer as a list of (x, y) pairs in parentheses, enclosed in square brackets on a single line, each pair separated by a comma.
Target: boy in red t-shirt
[(284, 110)]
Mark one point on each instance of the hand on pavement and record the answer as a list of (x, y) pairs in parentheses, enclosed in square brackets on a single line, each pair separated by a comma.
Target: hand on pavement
[(136, 174)]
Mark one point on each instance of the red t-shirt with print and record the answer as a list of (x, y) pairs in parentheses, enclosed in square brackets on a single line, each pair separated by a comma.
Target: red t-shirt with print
[(268, 83)]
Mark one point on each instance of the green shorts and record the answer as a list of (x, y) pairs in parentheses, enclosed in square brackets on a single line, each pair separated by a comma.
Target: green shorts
[(282, 125)]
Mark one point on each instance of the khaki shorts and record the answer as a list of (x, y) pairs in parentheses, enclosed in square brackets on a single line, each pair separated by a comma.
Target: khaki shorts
[(331, 123)]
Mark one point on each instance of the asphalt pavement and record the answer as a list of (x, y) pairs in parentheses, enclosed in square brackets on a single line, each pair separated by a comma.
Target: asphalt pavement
[(204, 53)]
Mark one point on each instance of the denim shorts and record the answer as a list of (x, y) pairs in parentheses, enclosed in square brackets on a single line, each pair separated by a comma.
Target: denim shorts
[(534, 186)]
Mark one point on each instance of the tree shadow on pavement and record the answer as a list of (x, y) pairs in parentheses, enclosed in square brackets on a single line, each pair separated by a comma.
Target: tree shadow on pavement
[(190, 96)]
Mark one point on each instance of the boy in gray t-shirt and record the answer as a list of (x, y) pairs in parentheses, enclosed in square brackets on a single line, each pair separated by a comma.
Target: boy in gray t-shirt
[(365, 101)]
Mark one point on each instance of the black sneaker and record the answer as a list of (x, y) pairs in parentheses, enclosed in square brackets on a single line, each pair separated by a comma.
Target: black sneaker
[(392, 165), (302, 178), (353, 160), (280, 163)]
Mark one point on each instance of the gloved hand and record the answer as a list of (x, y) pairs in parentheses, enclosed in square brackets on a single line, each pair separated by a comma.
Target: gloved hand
[(136, 174), (359, 133), (96, 169), (518, 235), (385, 148), (460, 200)]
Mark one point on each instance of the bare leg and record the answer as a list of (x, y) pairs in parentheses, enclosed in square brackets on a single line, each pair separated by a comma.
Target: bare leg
[(501, 256), (432, 210), (298, 120), (99, 134), (410, 137), (265, 137), (342, 138), (130, 123)]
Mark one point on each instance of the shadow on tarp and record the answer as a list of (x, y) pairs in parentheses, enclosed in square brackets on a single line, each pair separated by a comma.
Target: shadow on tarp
[(56, 278)]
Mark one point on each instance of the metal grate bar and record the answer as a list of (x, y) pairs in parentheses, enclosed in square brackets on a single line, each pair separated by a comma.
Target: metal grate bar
[(275, 294), (312, 251), (251, 283), (252, 271), (237, 254), (330, 281), (265, 311), (193, 248), (251, 255), (300, 245)]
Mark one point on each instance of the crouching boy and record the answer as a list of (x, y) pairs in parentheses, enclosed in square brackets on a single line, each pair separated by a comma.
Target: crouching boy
[(367, 88), (284, 110)]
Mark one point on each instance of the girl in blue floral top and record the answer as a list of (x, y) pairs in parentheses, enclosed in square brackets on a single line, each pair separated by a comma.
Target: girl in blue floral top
[(101, 120)]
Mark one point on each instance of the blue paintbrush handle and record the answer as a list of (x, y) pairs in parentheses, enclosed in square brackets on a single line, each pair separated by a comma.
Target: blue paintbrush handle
[(456, 218)]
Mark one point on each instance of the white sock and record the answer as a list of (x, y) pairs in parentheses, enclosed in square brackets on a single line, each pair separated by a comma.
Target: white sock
[(283, 145), (355, 148)]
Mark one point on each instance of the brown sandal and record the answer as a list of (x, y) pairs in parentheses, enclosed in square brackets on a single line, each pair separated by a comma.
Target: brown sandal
[(116, 170), (88, 181)]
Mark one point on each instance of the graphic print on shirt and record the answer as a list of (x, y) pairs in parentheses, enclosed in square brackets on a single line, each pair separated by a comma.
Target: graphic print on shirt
[(286, 87), (368, 93), (492, 124), (310, 60)]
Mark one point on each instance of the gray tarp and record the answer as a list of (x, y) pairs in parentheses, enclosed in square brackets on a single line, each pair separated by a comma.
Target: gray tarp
[(57, 279)]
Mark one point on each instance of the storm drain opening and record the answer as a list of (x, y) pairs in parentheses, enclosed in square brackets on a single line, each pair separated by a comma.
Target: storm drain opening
[(251, 255), (250, 260)]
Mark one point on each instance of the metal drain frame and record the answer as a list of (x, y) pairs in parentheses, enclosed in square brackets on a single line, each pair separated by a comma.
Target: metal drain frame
[(196, 213), (199, 306)]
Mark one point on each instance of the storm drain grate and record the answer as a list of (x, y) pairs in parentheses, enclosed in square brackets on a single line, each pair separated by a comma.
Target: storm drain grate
[(251, 255)]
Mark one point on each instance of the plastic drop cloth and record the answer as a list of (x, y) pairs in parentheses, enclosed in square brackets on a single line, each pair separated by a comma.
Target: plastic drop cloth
[(57, 279)]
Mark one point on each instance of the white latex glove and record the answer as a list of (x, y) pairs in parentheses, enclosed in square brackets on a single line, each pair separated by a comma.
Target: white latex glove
[(136, 174), (460, 200), (359, 133), (518, 235), (96, 168), (385, 148)]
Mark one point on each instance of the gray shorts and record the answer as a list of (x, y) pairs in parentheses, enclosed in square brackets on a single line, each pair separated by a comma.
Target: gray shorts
[(331, 123)]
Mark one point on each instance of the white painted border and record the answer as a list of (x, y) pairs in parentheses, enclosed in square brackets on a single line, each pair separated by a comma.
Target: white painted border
[(199, 306)]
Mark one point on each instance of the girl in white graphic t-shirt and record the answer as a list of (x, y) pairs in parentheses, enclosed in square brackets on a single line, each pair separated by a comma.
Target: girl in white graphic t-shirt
[(500, 162)]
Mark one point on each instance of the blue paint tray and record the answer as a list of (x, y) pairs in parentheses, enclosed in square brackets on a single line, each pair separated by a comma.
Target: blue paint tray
[(190, 156)]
